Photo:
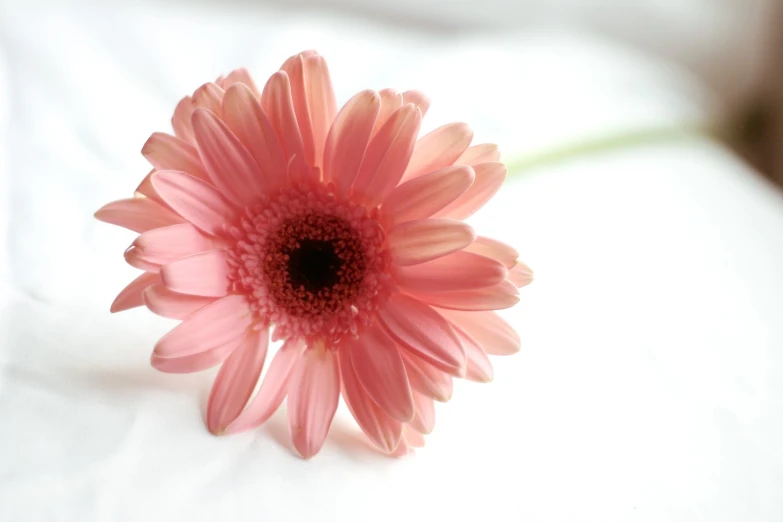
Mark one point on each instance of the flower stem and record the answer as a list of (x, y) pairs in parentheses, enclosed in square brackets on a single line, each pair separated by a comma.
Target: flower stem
[(604, 144)]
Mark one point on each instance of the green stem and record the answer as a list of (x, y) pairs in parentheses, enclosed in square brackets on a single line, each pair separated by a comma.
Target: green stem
[(603, 144)]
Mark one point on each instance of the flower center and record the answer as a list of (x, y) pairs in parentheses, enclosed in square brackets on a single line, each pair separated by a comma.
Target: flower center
[(310, 263), (314, 265)]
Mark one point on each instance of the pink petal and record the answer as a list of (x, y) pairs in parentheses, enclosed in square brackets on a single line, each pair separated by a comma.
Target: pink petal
[(419, 329), (348, 139), (413, 437), (210, 97), (424, 420), (494, 249), (198, 201), (457, 271), (438, 149), (166, 152), (495, 335), (422, 197), (301, 172), (231, 167), (246, 119), (217, 324), (427, 379), (380, 369), (278, 106), (204, 274), (146, 189), (382, 429), (401, 450), (236, 381), (180, 122), (422, 240), (137, 214), (162, 301), (479, 154), (241, 76), (294, 68), (498, 297), (132, 295), (165, 244), (133, 258), (479, 367), (419, 99), (314, 101), (321, 102), (387, 156), (520, 274), (489, 178), (313, 394), (272, 390), (391, 100), (194, 362)]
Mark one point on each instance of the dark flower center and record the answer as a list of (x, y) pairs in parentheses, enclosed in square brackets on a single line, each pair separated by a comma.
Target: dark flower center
[(310, 263), (314, 264)]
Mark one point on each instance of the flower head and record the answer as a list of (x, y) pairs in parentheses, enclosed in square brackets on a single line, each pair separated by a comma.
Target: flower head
[(271, 215)]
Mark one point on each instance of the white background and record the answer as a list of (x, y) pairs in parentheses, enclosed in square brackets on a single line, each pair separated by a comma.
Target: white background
[(650, 383)]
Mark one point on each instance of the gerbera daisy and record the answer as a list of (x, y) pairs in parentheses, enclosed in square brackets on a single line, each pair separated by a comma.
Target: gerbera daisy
[(269, 216)]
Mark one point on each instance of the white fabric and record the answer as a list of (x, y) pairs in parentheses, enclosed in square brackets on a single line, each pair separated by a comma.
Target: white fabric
[(727, 43), (649, 385)]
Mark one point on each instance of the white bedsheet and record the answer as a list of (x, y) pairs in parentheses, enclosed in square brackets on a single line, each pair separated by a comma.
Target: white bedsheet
[(650, 384)]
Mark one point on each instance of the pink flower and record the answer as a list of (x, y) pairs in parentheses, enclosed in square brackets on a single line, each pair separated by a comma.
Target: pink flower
[(271, 214)]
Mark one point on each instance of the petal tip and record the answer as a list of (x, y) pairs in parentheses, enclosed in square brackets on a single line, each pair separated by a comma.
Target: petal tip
[(101, 213), (483, 378), (304, 450), (201, 115), (119, 305), (155, 359), (442, 398), (157, 178), (471, 233), (464, 128), (521, 275), (390, 445), (217, 430), (150, 143)]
